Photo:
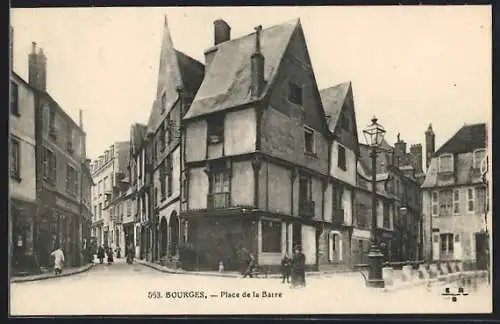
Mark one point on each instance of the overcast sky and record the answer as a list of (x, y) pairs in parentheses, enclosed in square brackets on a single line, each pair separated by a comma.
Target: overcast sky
[(410, 66)]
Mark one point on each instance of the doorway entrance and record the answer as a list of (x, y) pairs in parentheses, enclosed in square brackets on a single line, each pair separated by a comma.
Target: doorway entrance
[(481, 253)]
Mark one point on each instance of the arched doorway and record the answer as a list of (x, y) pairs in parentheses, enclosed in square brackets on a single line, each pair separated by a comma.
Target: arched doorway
[(163, 237), (174, 233)]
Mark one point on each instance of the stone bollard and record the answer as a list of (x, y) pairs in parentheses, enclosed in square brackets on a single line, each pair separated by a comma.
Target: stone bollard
[(407, 273), (460, 266), (422, 271), (433, 270), (444, 268), (451, 268), (388, 275)]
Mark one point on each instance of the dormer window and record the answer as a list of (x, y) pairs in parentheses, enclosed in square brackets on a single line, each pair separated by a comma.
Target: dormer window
[(295, 94), (215, 129), (445, 163), (478, 157)]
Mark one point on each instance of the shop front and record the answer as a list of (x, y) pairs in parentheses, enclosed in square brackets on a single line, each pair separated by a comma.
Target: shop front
[(23, 217)]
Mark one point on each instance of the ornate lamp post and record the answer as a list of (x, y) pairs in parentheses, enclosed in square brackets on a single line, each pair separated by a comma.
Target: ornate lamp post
[(374, 135)]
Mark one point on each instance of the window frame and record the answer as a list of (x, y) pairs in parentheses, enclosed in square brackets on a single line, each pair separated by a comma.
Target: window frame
[(442, 156), (341, 163), (435, 203), (308, 131), (215, 129), (456, 202), (265, 236), (475, 163), (14, 98), (295, 93), (15, 166), (471, 199)]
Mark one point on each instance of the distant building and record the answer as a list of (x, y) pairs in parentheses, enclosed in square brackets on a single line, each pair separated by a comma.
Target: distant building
[(399, 221), (108, 171), (455, 199), (49, 165), (22, 169)]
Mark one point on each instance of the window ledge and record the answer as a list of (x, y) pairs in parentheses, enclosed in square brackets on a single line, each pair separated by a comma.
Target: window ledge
[(16, 177), (311, 154)]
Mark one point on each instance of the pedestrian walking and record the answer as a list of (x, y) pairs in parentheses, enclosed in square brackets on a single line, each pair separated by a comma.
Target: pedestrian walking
[(243, 260), (110, 255), (58, 256), (298, 268), (250, 267), (286, 268), (118, 252), (130, 253), (100, 254)]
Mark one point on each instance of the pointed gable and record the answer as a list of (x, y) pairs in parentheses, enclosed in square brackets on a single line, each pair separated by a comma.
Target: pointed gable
[(176, 69), (333, 99), (227, 82)]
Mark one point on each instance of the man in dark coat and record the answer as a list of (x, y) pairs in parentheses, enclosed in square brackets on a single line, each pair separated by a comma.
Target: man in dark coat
[(110, 255), (100, 254), (286, 268), (251, 266), (298, 268)]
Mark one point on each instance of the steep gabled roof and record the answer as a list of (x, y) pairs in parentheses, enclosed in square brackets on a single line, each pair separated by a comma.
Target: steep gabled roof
[(467, 139), (137, 136), (227, 81), (176, 70), (333, 99)]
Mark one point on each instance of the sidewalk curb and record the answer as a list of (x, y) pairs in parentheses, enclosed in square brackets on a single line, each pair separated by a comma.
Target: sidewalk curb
[(224, 275), (184, 272), (42, 277)]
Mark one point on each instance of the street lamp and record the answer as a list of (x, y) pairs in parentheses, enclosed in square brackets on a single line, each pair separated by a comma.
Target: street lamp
[(374, 135)]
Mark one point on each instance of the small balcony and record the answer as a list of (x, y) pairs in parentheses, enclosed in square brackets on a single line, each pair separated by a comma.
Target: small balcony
[(218, 200), (338, 216), (306, 208)]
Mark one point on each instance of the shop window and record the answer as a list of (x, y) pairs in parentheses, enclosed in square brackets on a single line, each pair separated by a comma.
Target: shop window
[(271, 236)]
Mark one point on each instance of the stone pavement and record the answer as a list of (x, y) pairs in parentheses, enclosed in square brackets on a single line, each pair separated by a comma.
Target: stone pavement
[(396, 282), (49, 275)]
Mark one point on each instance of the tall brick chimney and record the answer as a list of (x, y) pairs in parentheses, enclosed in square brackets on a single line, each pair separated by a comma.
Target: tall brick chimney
[(80, 119), (257, 66), (37, 68), (222, 31), (399, 152), (430, 145), (416, 157)]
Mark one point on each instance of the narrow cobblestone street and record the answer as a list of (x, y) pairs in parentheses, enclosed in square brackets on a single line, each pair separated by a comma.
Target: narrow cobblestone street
[(123, 289)]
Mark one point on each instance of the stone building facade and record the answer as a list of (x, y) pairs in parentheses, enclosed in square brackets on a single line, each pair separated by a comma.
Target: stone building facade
[(455, 198), (108, 171), (22, 170), (61, 172)]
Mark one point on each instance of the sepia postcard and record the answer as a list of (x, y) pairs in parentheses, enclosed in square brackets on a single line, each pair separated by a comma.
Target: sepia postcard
[(250, 160)]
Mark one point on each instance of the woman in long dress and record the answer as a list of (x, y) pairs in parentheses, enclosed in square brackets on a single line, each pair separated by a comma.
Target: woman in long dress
[(298, 269)]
